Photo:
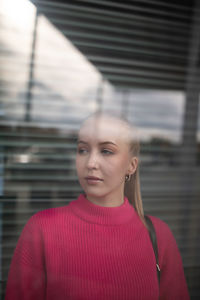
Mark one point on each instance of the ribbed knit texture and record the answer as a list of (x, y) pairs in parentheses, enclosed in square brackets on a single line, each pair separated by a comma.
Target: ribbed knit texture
[(86, 251)]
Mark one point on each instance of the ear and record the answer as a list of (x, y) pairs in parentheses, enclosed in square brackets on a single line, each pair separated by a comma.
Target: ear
[(133, 165)]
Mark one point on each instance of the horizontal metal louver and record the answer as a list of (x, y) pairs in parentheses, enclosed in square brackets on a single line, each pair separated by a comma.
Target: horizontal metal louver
[(62, 60)]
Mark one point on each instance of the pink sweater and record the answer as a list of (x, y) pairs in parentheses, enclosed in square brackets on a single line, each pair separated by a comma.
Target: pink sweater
[(89, 252)]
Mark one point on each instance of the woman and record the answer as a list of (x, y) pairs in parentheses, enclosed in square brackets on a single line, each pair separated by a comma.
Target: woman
[(98, 247)]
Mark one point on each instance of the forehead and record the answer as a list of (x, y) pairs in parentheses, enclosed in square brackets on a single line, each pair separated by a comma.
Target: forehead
[(105, 128)]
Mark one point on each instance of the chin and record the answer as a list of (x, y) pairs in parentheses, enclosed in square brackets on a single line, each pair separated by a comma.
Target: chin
[(95, 194)]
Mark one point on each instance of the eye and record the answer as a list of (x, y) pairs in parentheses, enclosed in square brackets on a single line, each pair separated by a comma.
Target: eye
[(82, 150), (106, 152)]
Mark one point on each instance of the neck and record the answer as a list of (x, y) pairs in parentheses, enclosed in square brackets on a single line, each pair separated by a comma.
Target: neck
[(113, 200)]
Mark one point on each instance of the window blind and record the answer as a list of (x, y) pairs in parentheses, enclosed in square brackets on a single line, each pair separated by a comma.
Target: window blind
[(62, 60)]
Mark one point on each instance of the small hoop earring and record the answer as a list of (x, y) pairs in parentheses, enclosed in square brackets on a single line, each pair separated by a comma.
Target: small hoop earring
[(127, 177)]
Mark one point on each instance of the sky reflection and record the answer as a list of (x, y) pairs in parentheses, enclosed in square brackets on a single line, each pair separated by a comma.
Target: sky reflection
[(67, 87)]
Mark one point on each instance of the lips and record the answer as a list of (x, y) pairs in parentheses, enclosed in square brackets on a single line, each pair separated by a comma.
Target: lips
[(93, 178)]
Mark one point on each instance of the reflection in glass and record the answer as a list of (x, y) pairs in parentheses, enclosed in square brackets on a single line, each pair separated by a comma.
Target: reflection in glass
[(63, 88)]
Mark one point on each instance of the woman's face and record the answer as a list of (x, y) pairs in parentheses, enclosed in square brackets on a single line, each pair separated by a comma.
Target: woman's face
[(103, 158)]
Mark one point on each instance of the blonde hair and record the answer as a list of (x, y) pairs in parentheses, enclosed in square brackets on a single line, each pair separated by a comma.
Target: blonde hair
[(132, 187)]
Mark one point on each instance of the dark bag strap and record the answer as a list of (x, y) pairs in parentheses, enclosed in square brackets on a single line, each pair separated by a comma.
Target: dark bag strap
[(153, 238)]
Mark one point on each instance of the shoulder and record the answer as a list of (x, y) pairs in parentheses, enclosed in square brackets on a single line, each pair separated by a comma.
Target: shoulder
[(51, 212), (164, 235), (47, 218), (161, 227), (167, 245)]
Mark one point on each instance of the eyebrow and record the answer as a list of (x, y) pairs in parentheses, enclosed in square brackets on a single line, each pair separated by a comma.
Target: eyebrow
[(101, 143)]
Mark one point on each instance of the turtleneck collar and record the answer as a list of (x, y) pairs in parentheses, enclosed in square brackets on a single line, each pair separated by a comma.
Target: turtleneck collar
[(94, 213)]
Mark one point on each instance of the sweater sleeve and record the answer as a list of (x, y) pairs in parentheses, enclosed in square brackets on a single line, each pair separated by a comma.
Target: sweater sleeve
[(26, 278), (172, 281)]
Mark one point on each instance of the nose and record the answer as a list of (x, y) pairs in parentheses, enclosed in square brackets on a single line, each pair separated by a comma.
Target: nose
[(92, 162)]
